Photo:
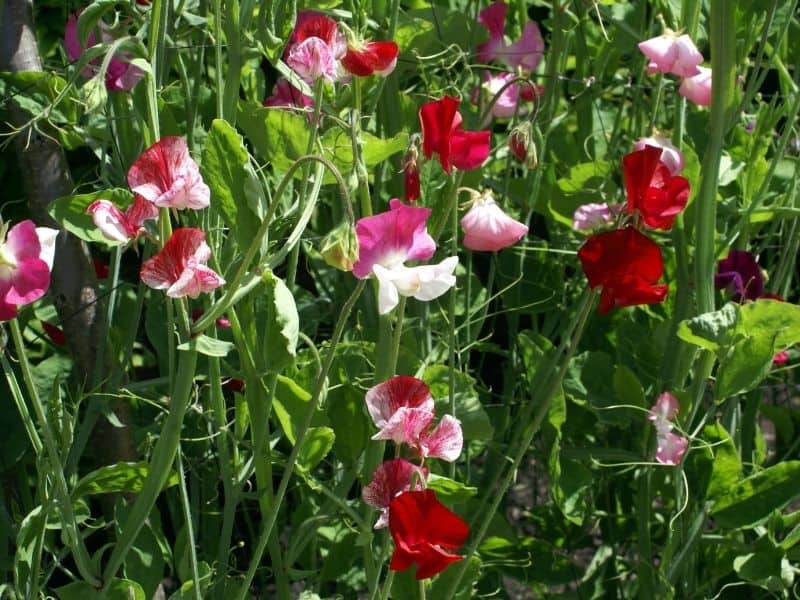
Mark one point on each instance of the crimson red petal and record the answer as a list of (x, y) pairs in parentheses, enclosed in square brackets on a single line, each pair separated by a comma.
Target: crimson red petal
[(638, 169), (373, 57), (436, 120), (469, 149)]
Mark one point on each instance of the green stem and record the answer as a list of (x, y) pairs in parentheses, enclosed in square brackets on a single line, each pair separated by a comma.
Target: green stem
[(70, 526), (233, 70), (187, 515), (22, 407), (291, 462)]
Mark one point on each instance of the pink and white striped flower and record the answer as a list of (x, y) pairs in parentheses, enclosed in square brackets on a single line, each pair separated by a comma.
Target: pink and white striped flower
[(26, 260), (166, 175), (179, 268), (119, 226)]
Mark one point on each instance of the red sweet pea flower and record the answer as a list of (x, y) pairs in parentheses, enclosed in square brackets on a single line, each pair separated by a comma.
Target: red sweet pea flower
[(55, 334), (423, 530), (651, 188), (442, 133), (626, 264), (371, 57)]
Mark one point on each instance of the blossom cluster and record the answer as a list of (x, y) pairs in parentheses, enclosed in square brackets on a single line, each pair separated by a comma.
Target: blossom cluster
[(670, 447), (423, 530), (675, 53)]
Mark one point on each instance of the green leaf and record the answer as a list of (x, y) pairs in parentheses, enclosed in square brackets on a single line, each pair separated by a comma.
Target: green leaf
[(226, 169), (119, 589), (35, 91), (727, 467), (90, 17), (710, 330), (121, 477), (70, 213), (280, 18), (475, 423), (528, 559), (465, 589), (585, 183), (315, 446), (763, 566), (278, 136), (208, 346), (290, 405), (450, 491), (30, 531), (283, 324), (754, 498), (339, 148)]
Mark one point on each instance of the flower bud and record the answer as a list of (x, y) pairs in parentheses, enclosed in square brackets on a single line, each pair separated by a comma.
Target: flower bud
[(522, 146), (340, 247), (411, 183)]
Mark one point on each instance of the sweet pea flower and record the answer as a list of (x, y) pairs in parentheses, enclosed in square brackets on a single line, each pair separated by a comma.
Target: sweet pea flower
[(118, 226), (179, 268), (663, 411), (312, 59), (670, 447), (411, 182), (626, 264), (526, 53), (315, 47), (487, 228), (370, 58), (26, 260), (424, 530), (522, 145), (740, 275), (120, 75), (442, 133), (652, 190), (672, 53), (507, 103), (166, 175), (401, 391), (285, 95), (390, 479), (671, 157), (698, 87), (389, 239), (593, 215)]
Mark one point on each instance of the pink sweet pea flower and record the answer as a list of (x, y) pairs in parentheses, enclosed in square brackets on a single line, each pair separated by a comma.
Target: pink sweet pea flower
[(312, 59), (593, 215), (780, 358), (285, 95), (401, 391), (442, 133), (526, 53), (391, 478), (120, 75), (179, 268), (671, 157), (672, 53), (386, 241), (26, 259), (505, 106), (487, 228), (664, 410), (118, 226), (697, 88), (670, 447), (166, 175), (316, 47)]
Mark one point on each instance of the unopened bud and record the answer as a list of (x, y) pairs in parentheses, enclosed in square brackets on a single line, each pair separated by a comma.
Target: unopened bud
[(411, 183), (522, 145), (340, 247)]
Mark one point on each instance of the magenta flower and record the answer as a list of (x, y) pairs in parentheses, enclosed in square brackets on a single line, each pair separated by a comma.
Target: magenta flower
[(697, 88), (26, 259), (390, 479), (487, 228), (118, 226), (526, 53), (672, 53), (671, 157), (670, 447), (285, 95), (179, 268), (166, 175), (120, 75), (389, 239), (593, 215), (506, 105), (740, 275)]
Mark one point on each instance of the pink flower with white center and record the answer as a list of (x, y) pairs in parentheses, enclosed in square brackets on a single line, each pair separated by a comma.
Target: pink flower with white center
[(671, 157), (118, 226), (506, 104), (120, 75), (166, 175), (179, 268), (389, 239), (663, 411), (671, 448), (672, 53), (697, 88), (312, 59), (593, 215), (526, 53), (390, 479), (487, 228), (26, 259)]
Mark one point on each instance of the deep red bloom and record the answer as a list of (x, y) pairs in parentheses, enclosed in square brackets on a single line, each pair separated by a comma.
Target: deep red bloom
[(423, 529), (627, 264), (442, 133), (100, 268), (652, 189), (411, 184), (371, 57), (55, 334)]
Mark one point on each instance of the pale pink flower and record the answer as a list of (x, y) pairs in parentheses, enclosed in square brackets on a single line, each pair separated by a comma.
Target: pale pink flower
[(179, 268), (697, 88), (526, 53), (166, 175), (391, 478), (593, 215), (120, 75), (663, 411), (671, 448), (26, 259), (672, 53), (487, 228), (424, 282), (670, 155), (506, 104), (118, 226)]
